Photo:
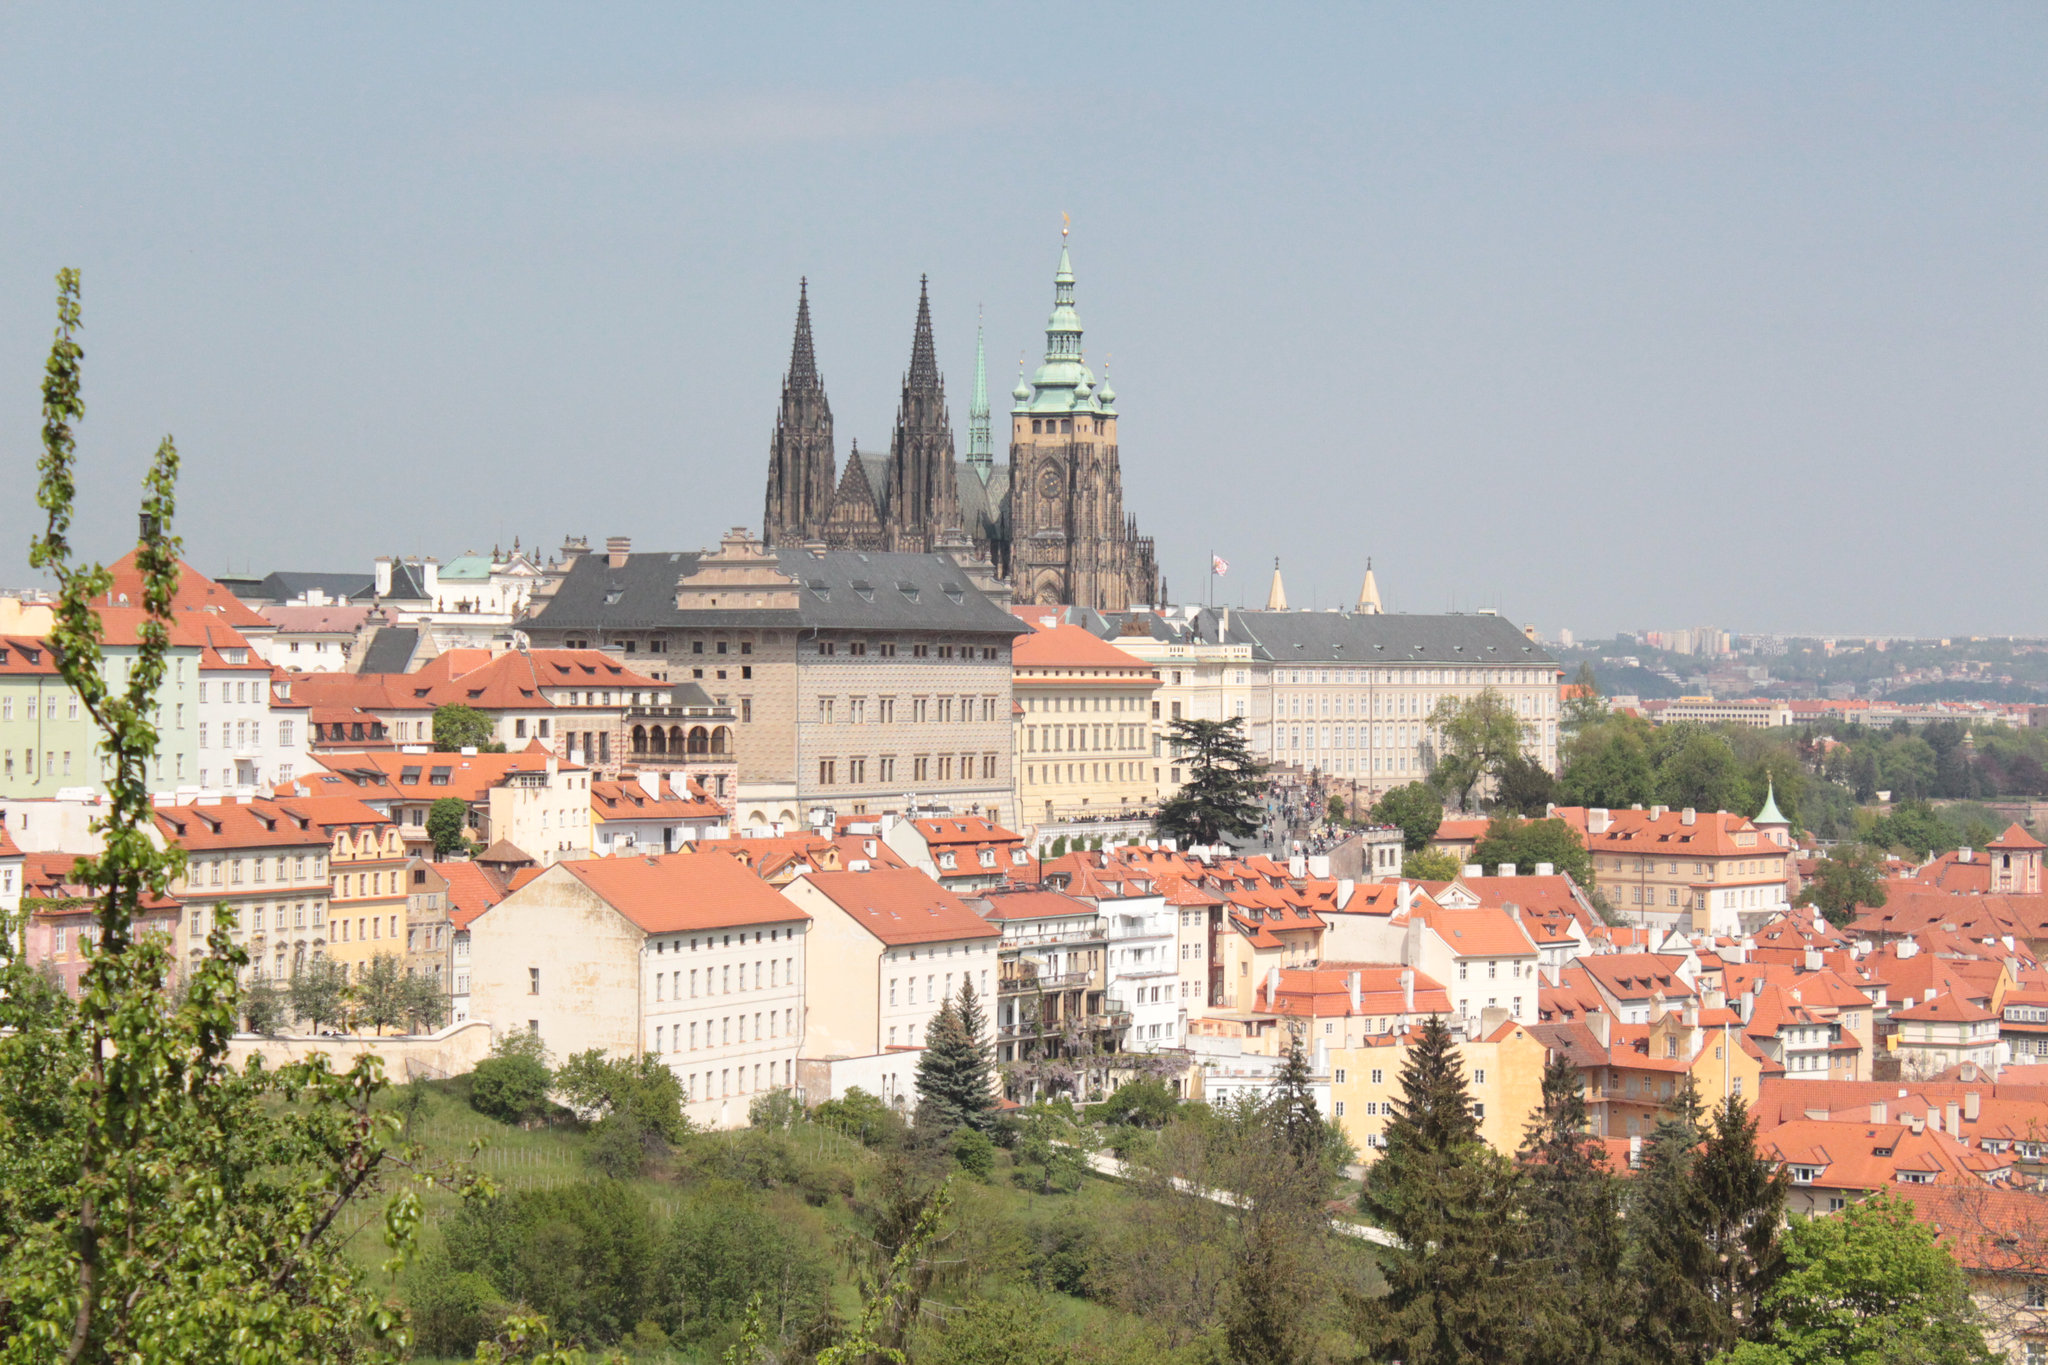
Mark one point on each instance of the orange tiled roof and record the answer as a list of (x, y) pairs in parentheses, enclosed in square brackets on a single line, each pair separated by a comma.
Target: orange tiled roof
[(673, 892), (1072, 648), (901, 905)]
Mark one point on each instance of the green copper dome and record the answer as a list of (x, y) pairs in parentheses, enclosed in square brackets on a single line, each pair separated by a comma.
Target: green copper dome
[(1770, 815)]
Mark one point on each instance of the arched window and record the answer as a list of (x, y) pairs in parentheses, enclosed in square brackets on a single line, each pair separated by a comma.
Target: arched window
[(700, 740), (640, 739), (721, 740)]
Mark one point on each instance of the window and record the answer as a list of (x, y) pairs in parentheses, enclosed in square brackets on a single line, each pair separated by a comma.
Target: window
[(1379, 1077), (1479, 1076), (533, 981)]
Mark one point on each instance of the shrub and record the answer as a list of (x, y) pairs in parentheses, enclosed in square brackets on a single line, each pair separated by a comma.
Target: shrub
[(583, 1256), (975, 1153), (509, 1089), (862, 1117), (452, 1310)]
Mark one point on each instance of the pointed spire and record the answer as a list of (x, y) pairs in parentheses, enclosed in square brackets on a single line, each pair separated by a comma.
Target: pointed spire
[(803, 361), (1369, 594), (1770, 814), (924, 361), (1276, 599), (980, 445)]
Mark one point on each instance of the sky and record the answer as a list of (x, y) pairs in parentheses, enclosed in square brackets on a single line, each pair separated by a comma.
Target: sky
[(1606, 317)]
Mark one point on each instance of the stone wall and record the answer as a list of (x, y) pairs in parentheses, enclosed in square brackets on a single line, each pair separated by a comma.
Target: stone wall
[(453, 1051)]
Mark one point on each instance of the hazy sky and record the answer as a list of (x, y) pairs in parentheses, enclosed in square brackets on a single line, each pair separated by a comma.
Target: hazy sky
[(1612, 317)]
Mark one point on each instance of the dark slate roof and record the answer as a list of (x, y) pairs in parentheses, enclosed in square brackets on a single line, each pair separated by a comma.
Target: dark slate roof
[(983, 508), (1343, 637), (343, 587), (842, 589), (687, 693), (406, 584), (391, 650)]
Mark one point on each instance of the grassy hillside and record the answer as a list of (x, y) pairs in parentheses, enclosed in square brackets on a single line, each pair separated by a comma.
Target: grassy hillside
[(662, 1265)]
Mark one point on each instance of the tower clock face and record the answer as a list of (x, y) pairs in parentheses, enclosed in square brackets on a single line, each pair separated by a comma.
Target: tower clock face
[(1049, 482)]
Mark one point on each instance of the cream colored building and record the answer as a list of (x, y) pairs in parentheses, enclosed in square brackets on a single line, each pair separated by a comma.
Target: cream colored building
[(687, 957), (899, 945), (1503, 1073), (1086, 740)]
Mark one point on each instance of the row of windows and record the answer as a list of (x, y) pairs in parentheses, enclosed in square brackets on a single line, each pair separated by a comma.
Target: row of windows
[(887, 650), (1125, 703), (779, 1023), (1427, 677), (48, 711), (1050, 774), (248, 734), (1054, 739), (721, 980), (921, 769), (931, 987), (244, 691), (302, 868), (724, 1080), (922, 709)]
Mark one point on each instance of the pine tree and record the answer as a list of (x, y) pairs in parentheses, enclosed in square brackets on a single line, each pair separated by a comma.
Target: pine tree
[(1458, 1283), (1294, 1106), (977, 1090), (1569, 1197), (952, 1075), (1221, 798), (1705, 1224)]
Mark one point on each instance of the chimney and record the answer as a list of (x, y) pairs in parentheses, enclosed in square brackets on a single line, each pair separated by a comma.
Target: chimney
[(1908, 948), (1914, 1122), (1955, 1118), (1546, 869), (1345, 886), (1688, 816), (1597, 1021), (1878, 1110), (616, 548), (1934, 1118), (1813, 962), (1963, 855), (1471, 870), (1408, 990), (1598, 820), (1657, 813), (383, 575), (1514, 911), (1319, 865), (1297, 866), (1357, 993), (1404, 899), (650, 782), (1506, 870), (1272, 988), (430, 576), (1973, 1104)]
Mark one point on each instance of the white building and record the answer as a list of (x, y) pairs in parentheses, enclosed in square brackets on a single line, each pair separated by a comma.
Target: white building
[(687, 957), (251, 734)]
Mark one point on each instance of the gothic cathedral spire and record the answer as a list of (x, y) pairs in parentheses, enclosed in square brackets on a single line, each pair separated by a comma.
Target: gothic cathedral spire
[(923, 496), (800, 459), (980, 448)]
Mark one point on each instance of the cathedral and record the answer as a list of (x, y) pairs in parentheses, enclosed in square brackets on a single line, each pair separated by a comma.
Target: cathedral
[(1051, 520)]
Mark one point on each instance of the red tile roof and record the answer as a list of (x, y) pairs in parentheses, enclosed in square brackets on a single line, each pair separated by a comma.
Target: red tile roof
[(195, 593), (472, 889), (1074, 651), (901, 905)]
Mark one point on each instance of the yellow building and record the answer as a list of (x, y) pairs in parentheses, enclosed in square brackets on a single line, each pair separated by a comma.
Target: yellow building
[(1087, 743), (1503, 1072), (368, 899)]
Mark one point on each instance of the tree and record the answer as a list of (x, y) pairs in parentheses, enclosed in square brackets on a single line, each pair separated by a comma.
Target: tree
[(1477, 736), (1868, 1284), (459, 727), (156, 1203), (953, 1071), (1008, 1331), (1846, 882), (265, 1008), (511, 1085), (319, 993), (1336, 809), (1607, 764), (1458, 1280), (1525, 843), (1433, 865), (448, 826), (1700, 773), (634, 1104), (1221, 798), (422, 1003), (727, 1256), (1585, 707), (1524, 787), (1573, 1211), (380, 993), (1705, 1221), (1415, 810), (584, 1255)]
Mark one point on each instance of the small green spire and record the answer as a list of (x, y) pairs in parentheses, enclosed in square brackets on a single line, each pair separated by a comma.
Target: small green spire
[(980, 447), (1770, 814)]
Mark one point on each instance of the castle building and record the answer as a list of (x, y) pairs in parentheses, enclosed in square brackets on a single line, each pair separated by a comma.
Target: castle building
[(1051, 520)]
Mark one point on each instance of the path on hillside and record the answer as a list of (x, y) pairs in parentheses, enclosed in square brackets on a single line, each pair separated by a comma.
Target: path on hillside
[(1102, 1163)]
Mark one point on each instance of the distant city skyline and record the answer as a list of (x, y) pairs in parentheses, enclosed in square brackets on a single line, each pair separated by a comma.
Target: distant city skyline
[(1593, 316)]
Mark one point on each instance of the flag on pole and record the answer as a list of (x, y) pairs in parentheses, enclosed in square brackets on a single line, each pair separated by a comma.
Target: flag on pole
[(1218, 565)]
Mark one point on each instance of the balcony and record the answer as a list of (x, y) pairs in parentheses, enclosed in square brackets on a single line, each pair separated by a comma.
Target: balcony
[(1047, 981)]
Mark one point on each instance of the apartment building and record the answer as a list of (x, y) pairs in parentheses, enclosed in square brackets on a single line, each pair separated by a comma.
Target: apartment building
[(858, 679), (686, 957), (530, 800), (1709, 872), (1087, 742), (263, 861)]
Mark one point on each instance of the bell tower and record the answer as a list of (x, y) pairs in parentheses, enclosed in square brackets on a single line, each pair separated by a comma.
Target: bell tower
[(800, 473)]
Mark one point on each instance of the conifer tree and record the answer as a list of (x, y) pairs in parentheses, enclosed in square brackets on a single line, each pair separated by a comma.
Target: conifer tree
[(952, 1075), (1570, 1200), (1458, 1281), (1294, 1106), (977, 1091), (1706, 1232)]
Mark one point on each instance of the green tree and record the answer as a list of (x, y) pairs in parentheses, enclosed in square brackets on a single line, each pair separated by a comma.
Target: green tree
[(1608, 765), (319, 993), (511, 1085), (1432, 865), (861, 1116), (1146, 1102), (266, 1007), (1221, 798), (954, 1072), (1413, 809), (1525, 787), (380, 992), (1525, 843), (1586, 707), (586, 1256), (724, 1252), (1569, 1198), (1336, 809), (1476, 735), (635, 1105), (448, 826), (1003, 1331), (458, 727), (1916, 827), (423, 1005), (156, 1204), (1705, 1220), (1458, 1280), (1847, 882), (1701, 773), (1868, 1284)]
